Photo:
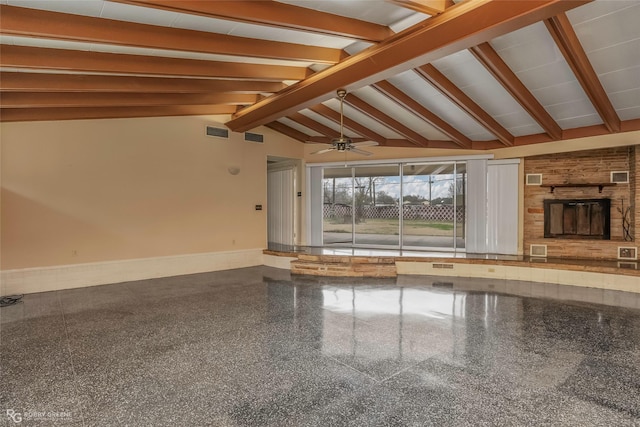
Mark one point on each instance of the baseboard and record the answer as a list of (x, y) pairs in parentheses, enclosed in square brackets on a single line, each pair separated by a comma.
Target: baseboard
[(617, 282), (43, 279), (282, 262)]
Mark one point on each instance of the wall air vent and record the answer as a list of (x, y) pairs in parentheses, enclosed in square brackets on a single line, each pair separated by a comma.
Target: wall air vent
[(534, 178), (627, 252), (538, 250), (446, 266), (620, 177), (254, 137), (217, 132)]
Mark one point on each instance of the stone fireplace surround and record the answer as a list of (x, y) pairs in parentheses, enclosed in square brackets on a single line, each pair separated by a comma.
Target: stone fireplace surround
[(582, 167)]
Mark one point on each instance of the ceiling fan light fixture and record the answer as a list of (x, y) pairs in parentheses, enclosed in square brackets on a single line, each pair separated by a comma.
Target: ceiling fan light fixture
[(342, 144)]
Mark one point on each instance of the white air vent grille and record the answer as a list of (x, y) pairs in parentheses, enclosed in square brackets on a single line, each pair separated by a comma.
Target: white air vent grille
[(254, 137), (620, 177), (534, 178), (217, 132), (538, 250), (627, 252), (447, 266)]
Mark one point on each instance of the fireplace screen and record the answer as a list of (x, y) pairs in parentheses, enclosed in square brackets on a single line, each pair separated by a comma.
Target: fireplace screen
[(577, 219)]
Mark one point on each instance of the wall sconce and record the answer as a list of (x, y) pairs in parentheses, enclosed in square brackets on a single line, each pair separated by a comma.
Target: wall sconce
[(233, 170)]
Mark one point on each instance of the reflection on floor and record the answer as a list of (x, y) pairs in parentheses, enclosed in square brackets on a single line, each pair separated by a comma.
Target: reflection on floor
[(257, 347)]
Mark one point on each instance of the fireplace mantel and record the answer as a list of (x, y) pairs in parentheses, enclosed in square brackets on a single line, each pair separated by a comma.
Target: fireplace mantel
[(600, 185)]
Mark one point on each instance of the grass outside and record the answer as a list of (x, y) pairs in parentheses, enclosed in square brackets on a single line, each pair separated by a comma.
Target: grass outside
[(387, 226)]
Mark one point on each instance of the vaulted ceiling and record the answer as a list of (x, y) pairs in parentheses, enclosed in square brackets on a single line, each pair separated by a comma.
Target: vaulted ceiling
[(420, 73)]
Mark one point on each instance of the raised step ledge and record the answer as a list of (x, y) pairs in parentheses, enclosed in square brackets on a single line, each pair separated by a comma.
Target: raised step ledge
[(343, 269)]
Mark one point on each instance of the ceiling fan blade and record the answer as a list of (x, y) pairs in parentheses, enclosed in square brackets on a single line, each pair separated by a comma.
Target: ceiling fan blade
[(326, 150), (359, 151), (364, 144)]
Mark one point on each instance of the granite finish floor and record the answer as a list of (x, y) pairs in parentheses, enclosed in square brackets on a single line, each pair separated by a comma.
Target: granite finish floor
[(256, 347)]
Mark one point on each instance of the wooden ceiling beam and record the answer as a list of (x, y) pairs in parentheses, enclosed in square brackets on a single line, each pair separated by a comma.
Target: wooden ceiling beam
[(19, 21), (350, 124), (275, 14), (458, 97), (313, 125), (106, 99), (78, 113), (430, 7), (490, 59), (462, 26), (565, 37), (74, 60), (410, 104), (41, 82), (288, 131), (386, 120)]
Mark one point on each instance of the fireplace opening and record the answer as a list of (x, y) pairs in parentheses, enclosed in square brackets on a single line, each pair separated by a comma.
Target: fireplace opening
[(577, 219)]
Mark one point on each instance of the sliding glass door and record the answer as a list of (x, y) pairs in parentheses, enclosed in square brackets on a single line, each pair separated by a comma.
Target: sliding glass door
[(412, 206), (433, 206), (337, 186), (377, 190)]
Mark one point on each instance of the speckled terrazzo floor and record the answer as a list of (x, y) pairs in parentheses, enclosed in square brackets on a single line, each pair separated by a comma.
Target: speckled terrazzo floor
[(256, 347)]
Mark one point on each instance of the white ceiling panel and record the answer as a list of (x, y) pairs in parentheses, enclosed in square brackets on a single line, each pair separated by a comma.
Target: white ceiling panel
[(141, 15), (599, 10), (536, 60), (85, 7), (288, 36), (376, 11), (298, 127), (362, 119), (629, 113), (626, 103), (620, 80), (327, 122), (128, 50), (408, 22), (618, 57), (570, 109), (530, 129), (609, 32), (473, 78), (202, 23), (393, 110), (579, 121), (527, 48), (560, 93), (429, 97)]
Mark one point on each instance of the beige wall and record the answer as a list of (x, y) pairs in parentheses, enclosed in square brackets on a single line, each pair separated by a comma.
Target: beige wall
[(98, 190)]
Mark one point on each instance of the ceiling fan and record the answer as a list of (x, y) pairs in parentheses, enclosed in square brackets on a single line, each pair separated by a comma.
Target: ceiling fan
[(343, 143)]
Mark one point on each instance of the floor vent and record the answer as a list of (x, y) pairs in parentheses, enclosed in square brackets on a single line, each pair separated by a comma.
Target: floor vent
[(217, 132), (254, 137), (538, 250), (448, 266)]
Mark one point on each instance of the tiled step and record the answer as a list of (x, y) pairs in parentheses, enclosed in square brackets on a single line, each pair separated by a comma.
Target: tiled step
[(339, 266)]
